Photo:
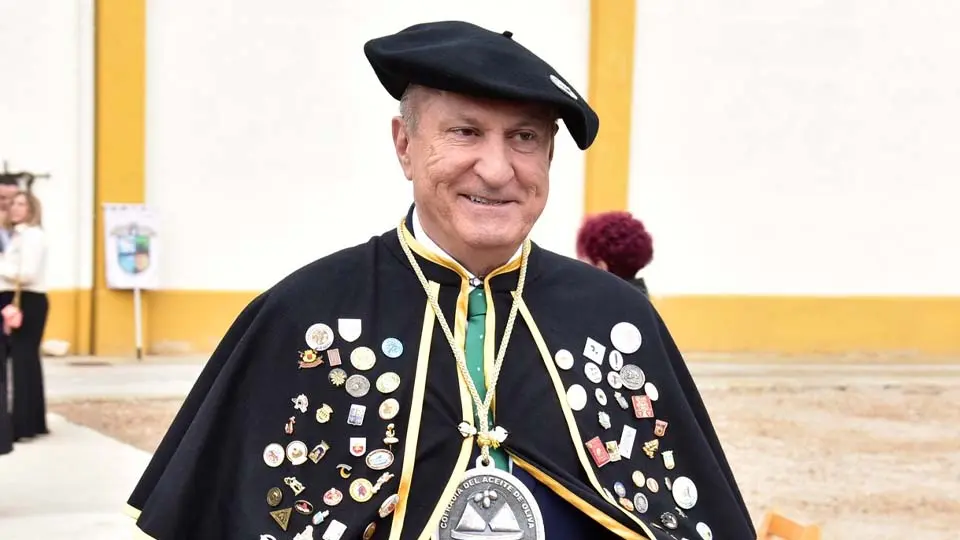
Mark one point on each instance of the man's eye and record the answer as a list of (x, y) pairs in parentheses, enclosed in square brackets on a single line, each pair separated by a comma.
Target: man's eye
[(526, 136), (465, 132)]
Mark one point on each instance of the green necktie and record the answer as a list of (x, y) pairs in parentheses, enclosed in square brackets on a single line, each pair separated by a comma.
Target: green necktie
[(476, 323)]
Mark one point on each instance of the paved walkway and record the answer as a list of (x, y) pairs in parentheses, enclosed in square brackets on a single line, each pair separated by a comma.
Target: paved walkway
[(70, 484), (73, 483)]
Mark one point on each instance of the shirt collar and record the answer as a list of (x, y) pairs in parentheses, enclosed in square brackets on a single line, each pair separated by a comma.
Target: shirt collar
[(432, 246)]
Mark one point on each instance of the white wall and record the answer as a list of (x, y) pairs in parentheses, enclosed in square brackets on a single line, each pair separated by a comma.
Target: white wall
[(268, 134), (798, 147), (46, 122)]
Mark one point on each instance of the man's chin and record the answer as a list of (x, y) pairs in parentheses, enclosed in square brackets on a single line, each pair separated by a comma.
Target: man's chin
[(493, 241)]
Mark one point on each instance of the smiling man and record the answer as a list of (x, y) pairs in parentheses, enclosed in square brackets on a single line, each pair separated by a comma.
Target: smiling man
[(449, 379)]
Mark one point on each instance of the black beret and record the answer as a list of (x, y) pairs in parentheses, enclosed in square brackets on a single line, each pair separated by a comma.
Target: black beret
[(467, 59)]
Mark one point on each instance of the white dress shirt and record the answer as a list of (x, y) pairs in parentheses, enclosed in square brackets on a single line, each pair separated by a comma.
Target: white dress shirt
[(432, 247), (24, 258)]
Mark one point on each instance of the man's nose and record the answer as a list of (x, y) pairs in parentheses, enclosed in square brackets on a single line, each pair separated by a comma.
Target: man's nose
[(495, 166)]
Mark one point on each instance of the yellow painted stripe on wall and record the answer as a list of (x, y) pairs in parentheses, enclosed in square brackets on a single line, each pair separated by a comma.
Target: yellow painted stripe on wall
[(190, 322), (62, 319), (119, 154), (903, 329), (610, 92), (898, 327)]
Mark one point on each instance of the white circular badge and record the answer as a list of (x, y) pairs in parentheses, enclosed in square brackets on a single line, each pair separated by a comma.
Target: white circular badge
[(625, 337), (705, 532), (563, 86), (616, 360), (651, 391), (297, 452), (593, 373), (601, 397), (576, 397), (363, 358), (564, 359), (273, 455), (684, 492), (319, 337)]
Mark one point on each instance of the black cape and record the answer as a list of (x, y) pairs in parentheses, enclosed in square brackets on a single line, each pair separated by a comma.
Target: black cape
[(209, 478)]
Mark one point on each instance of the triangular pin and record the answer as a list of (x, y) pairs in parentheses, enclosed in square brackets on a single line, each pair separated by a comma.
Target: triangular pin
[(282, 517)]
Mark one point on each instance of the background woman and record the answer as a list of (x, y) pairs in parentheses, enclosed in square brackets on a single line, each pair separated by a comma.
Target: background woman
[(618, 243), (23, 268)]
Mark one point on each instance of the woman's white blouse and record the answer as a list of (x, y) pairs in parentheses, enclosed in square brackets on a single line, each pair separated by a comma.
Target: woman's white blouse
[(25, 257)]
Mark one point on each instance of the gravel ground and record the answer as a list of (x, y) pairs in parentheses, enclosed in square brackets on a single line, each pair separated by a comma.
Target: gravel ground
[(870, 461)]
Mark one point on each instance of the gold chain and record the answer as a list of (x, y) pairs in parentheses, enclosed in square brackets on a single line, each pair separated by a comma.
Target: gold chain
[(484, 436)]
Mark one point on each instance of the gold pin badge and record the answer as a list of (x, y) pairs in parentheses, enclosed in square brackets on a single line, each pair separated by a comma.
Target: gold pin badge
[(282, 517), (309, 359), (323, 413), (613, 449), (294, 484), (361, 490), (345, 470), (368, 532), (390, 437), (337, 377), (319, 451), (650, 448), (274, 497)]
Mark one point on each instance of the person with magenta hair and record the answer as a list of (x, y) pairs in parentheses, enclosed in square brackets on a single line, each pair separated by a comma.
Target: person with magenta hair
[(618, 243)]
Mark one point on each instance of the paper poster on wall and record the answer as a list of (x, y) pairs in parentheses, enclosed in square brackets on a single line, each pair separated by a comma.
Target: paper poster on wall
[(132, 246)]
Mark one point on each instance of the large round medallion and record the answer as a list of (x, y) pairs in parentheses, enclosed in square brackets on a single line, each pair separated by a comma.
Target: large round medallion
[(489, 499)]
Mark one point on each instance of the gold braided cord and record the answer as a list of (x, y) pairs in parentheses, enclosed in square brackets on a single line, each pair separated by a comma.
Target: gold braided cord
[(484, 437)]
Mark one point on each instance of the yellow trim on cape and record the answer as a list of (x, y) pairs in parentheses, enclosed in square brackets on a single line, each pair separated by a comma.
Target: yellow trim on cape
[(466, 411), (413, 423), (134, 513), (575, 437), (131, 511)]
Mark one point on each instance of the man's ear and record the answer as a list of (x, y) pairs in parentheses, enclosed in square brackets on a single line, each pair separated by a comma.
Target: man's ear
[(553, 140), (401, 143)]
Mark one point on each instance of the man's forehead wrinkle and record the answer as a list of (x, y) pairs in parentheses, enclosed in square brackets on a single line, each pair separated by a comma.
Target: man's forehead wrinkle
[(525, 119)]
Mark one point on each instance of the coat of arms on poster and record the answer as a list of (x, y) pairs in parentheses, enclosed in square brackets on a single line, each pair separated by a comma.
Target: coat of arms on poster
[(131, 246)]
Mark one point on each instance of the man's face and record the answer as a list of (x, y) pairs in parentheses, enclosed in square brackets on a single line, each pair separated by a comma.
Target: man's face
[(6, 196), (480, 169)]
